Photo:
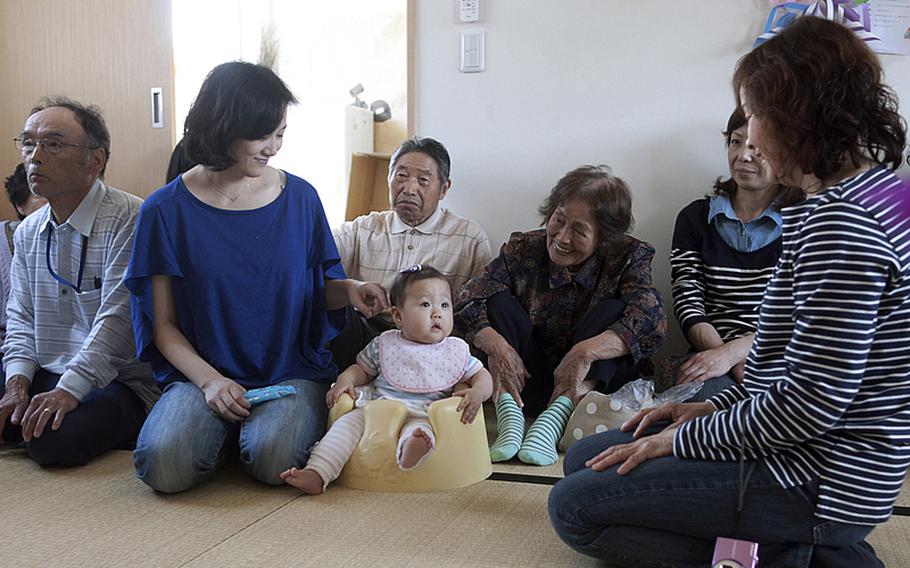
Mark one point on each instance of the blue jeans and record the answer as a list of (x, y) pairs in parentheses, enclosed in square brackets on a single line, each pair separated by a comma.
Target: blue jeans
[(668, 511), (183, 442), (711, 387)]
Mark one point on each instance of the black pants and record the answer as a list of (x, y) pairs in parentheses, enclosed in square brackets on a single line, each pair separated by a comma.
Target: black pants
[(106, 419), (510, 319)]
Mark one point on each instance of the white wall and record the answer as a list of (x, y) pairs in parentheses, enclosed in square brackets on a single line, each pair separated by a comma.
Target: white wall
[(324, 49), (641, 86)]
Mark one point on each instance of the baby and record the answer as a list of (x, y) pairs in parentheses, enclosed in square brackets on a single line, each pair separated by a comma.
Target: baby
[(416, 365)]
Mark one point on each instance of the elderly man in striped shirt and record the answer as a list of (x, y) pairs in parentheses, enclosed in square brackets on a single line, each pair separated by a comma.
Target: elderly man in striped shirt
[(73, 387), (416, 230)]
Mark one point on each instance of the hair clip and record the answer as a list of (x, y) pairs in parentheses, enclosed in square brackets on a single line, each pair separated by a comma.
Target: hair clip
[(412, 268)]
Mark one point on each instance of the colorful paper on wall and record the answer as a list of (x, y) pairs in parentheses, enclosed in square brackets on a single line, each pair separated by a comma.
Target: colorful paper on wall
[(883, 24), (856, 17), (891, 23)]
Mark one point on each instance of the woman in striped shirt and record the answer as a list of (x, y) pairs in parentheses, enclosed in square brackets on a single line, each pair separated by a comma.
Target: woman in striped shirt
[(725, 247), (810, 452)]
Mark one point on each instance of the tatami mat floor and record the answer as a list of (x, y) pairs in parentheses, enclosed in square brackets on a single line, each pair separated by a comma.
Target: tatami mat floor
[(100, 515)]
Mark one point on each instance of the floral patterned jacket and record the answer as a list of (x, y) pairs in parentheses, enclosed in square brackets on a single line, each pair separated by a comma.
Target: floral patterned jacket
[(556, 298)]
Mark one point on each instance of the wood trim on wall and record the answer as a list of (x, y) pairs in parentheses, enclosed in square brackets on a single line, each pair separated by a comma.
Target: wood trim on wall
[(412, 99), (109, 53)]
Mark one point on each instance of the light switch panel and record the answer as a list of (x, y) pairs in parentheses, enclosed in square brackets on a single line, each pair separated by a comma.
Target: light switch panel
[(472, 51)]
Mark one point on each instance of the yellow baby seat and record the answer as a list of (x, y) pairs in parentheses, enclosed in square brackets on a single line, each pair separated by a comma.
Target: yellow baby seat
[(461, 457)]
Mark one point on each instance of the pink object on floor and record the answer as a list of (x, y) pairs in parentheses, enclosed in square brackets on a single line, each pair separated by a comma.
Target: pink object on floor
[(732, 553)]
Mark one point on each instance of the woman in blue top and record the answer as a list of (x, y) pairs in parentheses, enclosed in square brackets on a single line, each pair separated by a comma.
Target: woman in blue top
[(236, 284)]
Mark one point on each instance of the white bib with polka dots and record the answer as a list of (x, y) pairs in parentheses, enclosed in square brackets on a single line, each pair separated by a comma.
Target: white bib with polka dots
[(421, 367)]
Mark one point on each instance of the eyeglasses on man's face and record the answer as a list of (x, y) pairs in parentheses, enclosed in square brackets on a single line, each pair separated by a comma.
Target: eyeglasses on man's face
[(53, 147)]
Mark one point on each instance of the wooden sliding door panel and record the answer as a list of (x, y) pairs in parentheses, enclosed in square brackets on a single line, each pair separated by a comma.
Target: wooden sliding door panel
[(110, 53)]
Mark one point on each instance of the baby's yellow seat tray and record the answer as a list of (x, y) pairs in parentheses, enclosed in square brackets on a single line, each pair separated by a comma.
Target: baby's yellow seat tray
[(461, 457)]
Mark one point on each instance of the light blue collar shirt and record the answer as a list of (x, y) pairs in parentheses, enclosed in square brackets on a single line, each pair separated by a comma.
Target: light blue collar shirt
[(744, 237), (83, 217), (86, 337)]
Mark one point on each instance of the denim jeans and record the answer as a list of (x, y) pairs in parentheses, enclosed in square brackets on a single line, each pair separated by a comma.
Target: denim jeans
[(711, 387), (183, 442), (668, 511)]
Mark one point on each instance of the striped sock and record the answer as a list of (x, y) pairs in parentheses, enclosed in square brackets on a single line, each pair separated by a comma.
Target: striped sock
[(539, 447), (510, 425)]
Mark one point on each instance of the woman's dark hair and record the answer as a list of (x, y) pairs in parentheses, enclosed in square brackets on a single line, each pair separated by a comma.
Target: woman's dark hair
[(17, 189), (89, 118), (237, 100), (786, 196), (607, 195), (432, 148), (408, 276), (818, 90), (179, 162)]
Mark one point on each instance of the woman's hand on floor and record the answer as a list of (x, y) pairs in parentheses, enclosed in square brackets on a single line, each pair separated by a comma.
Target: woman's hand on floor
[(569, 376), (634, 454), (508, 372)]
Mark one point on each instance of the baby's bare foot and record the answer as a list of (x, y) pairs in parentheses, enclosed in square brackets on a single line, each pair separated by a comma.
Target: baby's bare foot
[(414, 448), (306, 480)]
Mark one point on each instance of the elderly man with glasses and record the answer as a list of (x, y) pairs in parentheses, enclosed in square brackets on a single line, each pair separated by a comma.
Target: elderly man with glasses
[(73, 387)]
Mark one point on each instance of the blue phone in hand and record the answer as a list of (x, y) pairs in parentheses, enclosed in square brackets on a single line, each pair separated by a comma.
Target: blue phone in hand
[(258, 396)]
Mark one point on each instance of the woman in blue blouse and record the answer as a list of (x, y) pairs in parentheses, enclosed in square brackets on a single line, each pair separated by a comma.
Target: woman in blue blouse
[(809, 453), (236, 284)]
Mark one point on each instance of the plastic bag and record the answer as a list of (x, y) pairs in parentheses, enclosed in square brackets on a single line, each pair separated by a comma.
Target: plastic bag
[(598, 412)]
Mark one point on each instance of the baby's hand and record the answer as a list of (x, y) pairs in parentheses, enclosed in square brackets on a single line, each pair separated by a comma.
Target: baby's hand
[(471, 399), (339, 388)]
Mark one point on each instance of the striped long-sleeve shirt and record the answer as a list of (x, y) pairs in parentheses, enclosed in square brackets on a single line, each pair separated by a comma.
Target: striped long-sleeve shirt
[(85, 336), (712, 281), (826, 393)]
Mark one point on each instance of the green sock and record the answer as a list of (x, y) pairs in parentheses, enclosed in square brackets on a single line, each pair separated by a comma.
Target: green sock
[(539, 447), (510, 424)]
